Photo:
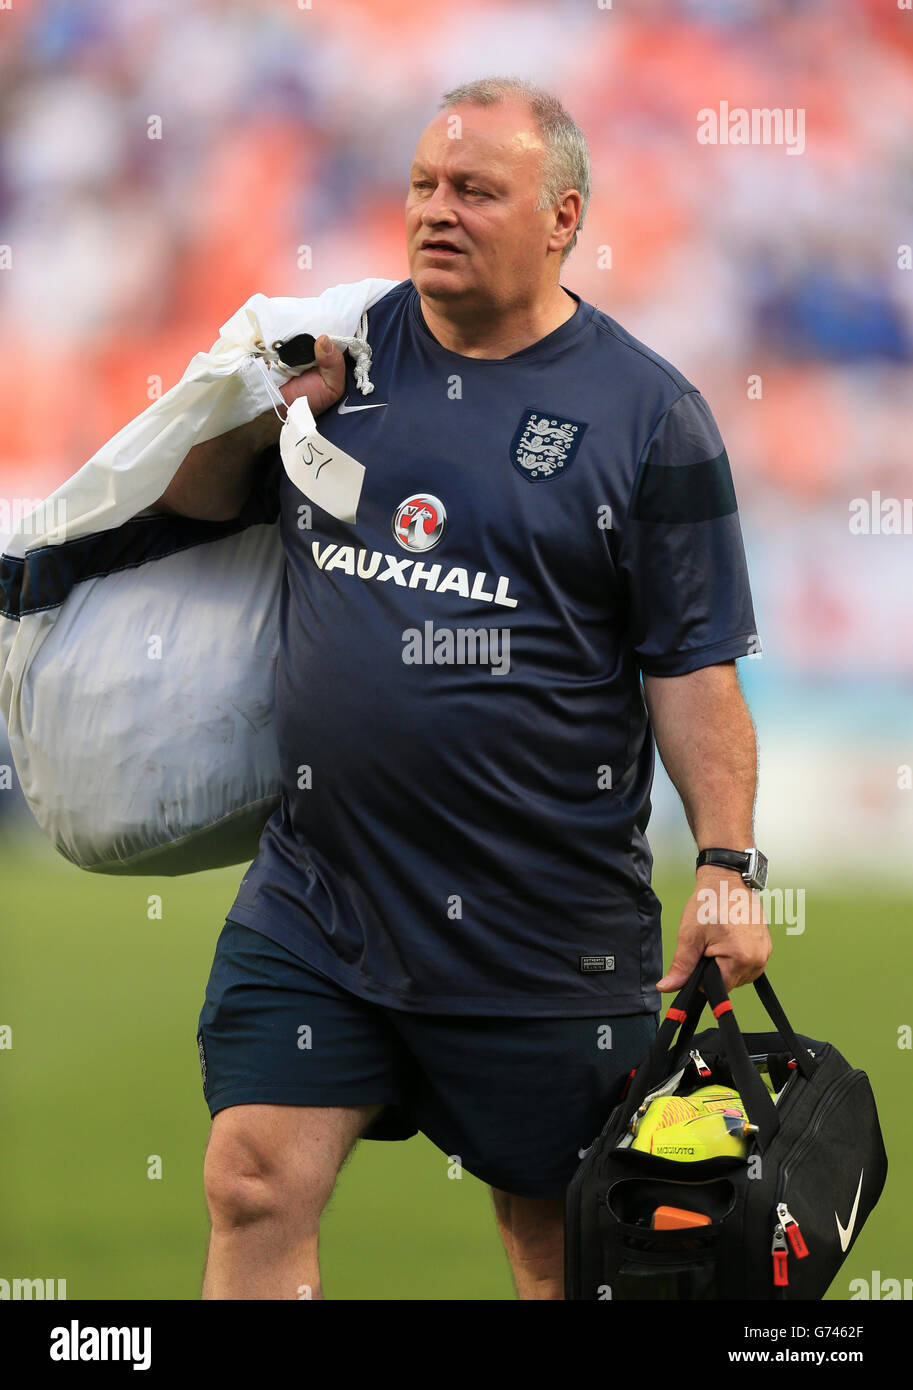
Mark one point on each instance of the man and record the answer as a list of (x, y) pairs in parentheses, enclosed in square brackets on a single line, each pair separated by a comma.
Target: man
[(453, 903)]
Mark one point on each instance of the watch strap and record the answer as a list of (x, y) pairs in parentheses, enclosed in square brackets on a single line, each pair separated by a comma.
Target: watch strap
[(725, 859)]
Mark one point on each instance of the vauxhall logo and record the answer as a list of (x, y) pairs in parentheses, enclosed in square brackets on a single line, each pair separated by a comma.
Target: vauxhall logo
[(418, 525), (409, 574), (419, 522)]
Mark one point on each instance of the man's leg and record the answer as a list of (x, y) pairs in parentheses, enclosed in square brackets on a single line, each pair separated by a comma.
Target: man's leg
[(269, 1172), (294, 1069), (516, 1099), (532, 1229)]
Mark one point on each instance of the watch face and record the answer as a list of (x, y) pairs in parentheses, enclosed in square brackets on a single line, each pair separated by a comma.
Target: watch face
[(756, 877)]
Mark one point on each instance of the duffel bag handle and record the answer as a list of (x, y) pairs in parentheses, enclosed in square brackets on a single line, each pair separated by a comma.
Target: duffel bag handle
[(806, 1063), (686, 1010), (756, 1098)]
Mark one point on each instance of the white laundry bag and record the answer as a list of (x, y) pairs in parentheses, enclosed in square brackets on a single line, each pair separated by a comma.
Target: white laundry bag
[(138, 650)]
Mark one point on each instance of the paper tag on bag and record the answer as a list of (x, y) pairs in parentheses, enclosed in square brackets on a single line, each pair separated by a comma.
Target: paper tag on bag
[(324, 473)]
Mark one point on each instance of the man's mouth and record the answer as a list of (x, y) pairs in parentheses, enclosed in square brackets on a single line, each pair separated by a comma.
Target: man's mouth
[(439, 246)]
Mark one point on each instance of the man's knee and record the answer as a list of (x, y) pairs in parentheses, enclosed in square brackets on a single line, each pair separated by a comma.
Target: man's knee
[(535, 1225), (243, 1186), (264, 1163)]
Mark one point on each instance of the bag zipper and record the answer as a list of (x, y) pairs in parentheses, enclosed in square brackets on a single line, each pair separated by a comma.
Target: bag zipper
[(667, 1087), (779, 1256), (786, 1226), (702, 1068)]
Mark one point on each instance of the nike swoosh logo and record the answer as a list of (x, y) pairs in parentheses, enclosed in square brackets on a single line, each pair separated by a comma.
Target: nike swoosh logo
[(845, 1233), (343, 409)]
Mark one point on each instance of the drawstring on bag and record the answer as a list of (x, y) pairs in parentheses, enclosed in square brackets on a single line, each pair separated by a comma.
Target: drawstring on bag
[(358, 349)]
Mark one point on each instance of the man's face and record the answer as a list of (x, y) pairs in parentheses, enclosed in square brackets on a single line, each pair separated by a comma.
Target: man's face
[(473, 235)]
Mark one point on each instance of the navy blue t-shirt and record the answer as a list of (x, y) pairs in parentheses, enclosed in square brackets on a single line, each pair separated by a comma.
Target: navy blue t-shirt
[(465, 750)]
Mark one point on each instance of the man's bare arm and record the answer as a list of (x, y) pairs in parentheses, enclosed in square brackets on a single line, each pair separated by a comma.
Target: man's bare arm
[(707, 743), (215, 479), (706, 740)]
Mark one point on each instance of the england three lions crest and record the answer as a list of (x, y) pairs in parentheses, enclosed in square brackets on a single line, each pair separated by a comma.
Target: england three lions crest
[(544, 444)]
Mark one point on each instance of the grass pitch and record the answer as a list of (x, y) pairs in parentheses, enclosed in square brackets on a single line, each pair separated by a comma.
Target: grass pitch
[(102, 1078)]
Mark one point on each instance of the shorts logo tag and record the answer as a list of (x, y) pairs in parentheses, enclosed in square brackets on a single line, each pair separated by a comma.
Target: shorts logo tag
[(591, 965)]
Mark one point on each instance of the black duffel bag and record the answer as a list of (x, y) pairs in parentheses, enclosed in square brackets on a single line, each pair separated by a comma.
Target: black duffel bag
[(777, 1222)]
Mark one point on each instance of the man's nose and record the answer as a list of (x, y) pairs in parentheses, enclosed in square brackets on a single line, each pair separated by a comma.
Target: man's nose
[(437, 208)]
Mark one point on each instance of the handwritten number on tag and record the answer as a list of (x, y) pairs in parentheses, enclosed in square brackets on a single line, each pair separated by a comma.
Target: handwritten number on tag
[(311, 449)]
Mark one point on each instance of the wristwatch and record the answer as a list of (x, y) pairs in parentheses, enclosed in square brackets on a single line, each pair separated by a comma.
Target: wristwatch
[(750, 863)]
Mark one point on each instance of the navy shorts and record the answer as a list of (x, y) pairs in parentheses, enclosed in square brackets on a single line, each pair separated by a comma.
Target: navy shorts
[(514, 1100)]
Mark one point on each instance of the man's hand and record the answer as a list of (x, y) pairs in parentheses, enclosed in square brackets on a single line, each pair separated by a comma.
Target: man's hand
[(723, 918), (323, 384)]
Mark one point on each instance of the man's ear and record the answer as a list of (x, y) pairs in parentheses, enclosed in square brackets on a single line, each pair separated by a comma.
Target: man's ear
[(567, 219)]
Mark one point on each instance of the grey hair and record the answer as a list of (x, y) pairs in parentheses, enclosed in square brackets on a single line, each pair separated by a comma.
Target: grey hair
[(567, 158)]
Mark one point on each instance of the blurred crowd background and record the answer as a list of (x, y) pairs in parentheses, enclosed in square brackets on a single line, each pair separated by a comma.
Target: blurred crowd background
[(285, 126)]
